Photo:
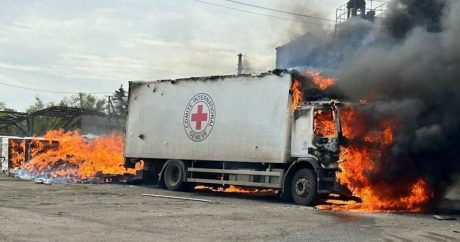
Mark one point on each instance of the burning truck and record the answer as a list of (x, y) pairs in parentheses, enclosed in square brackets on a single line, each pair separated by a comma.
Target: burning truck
[(245, 130)]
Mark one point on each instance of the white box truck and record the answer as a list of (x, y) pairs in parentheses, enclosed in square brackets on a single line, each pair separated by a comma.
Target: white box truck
[(232, 130)]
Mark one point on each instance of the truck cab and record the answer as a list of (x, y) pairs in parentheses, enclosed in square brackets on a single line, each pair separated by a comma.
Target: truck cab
[(315, 148)]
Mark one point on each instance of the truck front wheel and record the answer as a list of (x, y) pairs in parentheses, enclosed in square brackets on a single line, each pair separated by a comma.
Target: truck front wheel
[(174, 174), (303, 187)]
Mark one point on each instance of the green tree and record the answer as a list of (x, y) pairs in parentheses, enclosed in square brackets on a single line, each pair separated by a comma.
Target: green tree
[(120, 101), (84, 101), (38, 105)]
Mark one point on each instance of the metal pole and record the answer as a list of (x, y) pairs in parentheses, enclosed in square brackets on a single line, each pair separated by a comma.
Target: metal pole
[(240, 63)]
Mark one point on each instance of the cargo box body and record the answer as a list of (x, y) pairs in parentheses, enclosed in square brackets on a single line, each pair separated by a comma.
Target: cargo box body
[(231, 118)]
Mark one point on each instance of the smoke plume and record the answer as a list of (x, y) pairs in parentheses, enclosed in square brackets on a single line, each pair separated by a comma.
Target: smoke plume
[(407, 65)]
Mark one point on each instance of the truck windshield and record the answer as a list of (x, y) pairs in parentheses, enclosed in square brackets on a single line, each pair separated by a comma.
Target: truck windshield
[(324, 123)]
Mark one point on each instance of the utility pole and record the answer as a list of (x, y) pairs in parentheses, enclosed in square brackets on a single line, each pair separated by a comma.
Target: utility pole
[(240, 63), (109, 115), (109, 104), (81, 100)]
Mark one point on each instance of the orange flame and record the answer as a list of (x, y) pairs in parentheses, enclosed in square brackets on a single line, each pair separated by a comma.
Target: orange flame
[(236, 189), (324, 123), (296, 90), (76, 157), (358, 162), (321, 81), (17, 153)]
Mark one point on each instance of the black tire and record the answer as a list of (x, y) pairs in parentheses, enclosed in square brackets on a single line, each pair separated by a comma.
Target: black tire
[(173, 176), (286, 195), (303, 187)]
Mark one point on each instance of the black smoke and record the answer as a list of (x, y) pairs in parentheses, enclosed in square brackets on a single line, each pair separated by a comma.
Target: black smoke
[(408, 66)]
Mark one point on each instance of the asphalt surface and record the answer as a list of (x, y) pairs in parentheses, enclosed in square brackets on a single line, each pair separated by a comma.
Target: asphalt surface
[(76, 212)]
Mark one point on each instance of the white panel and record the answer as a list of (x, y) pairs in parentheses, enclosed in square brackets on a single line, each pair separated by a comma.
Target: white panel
[(4, 144), (302, 131), (251, 120)]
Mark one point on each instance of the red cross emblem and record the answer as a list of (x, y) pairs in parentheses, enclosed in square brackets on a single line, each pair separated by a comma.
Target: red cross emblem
[(199, 117)]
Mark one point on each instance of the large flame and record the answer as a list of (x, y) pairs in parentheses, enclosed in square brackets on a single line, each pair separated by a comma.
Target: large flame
[(364, 158), (324, 123), (321, 81), (297, 95), (17, 153), (76, 157)]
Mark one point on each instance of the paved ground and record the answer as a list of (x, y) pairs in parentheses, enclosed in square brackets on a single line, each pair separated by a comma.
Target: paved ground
[(58, 212)]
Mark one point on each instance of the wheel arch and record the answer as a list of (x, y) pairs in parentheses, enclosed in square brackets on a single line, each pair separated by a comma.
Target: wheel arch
[(298, 164), (182, 164)]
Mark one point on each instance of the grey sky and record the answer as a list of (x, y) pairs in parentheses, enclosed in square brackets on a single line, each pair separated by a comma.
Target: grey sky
[(94, 46)]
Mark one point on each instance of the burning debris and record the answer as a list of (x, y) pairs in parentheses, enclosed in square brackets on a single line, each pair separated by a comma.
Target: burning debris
[(18, 152), (236, 189), (76, 159), (297, 96)]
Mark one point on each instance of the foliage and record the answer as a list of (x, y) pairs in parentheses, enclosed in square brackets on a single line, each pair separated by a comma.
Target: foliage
[(38, 105), (85, 101), (2, 106), (120, 102)]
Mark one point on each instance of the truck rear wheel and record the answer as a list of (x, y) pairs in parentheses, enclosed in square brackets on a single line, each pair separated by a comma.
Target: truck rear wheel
[(303, 187), (174, 174)]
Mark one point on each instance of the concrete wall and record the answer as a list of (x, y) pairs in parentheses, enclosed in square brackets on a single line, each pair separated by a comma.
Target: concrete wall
[(101, 125)]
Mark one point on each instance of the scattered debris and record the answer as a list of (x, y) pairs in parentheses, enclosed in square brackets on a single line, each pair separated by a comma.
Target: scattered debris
[(42, 181), (442, 217), (178, 198)]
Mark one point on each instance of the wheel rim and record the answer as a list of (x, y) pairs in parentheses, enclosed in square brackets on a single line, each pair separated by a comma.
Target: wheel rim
[(174, 175), (302, 186)]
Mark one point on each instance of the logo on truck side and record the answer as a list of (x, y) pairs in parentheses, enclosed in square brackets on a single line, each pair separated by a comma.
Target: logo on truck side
[(199, 117)]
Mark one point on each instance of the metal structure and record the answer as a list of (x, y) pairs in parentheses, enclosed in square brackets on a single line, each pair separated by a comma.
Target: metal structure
[(56, 117), (14, 119), (240, 63), (61, 117), (373, 8)]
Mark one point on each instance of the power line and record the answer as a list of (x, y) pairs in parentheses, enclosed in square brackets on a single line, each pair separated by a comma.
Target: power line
[(227, 72), (247, 11), (50, 91), (280, 11)]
